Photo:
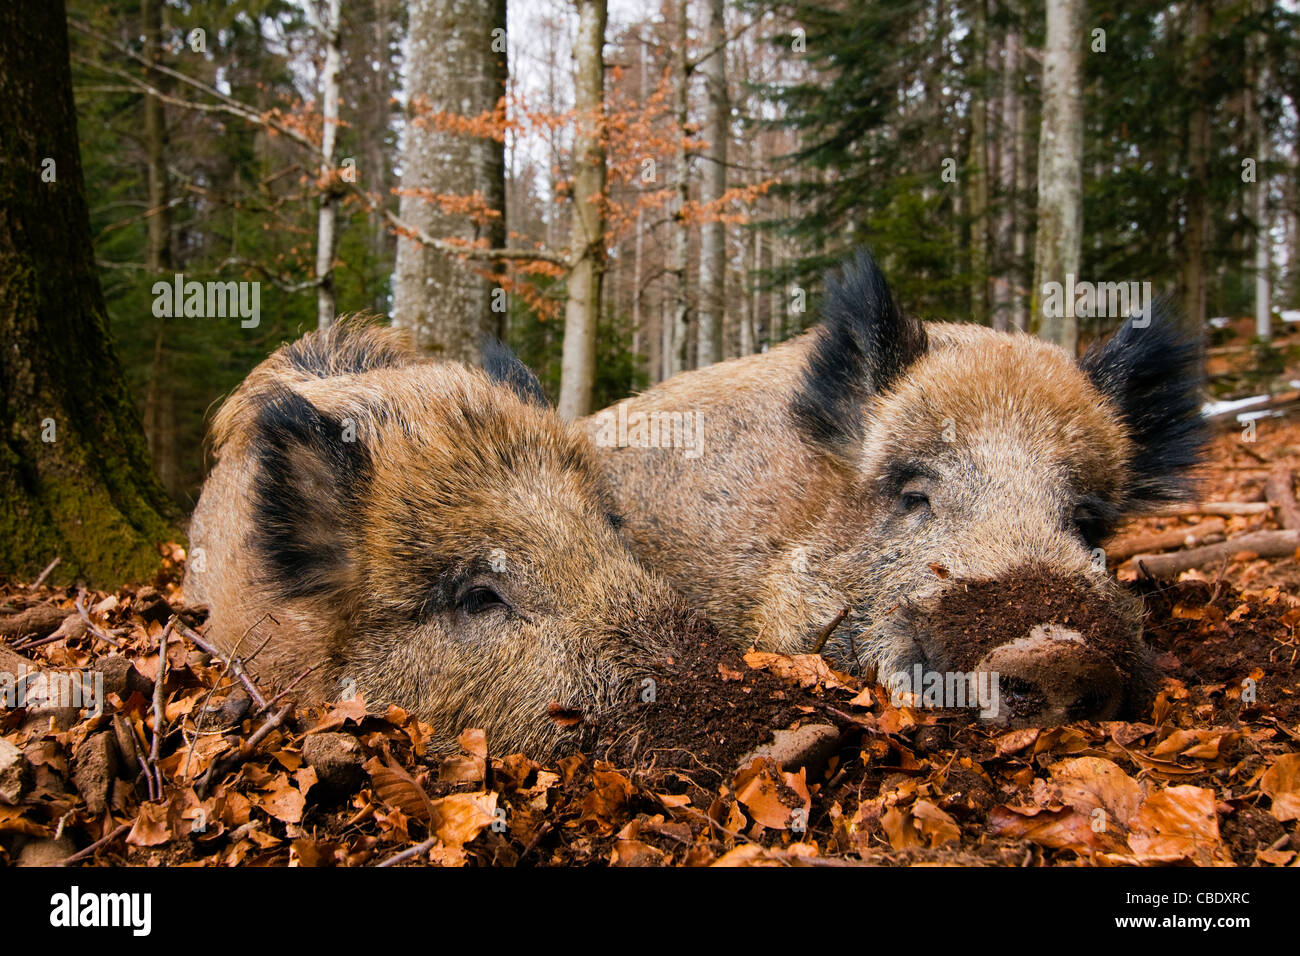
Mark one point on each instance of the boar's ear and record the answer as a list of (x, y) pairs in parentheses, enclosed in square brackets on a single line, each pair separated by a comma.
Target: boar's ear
[(311, 475), (863, 343), (503, 366), (1152, 370)]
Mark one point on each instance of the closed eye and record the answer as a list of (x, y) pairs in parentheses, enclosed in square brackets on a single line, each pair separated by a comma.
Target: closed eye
[(913, 501), (478, 599), (1093, 519)]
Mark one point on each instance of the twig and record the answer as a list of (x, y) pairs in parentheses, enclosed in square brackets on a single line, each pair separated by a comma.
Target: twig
[(97, 845), (280, 696), (148, 779), (44, 574), (90, 625), (158, 697), (829, 629), (412, 852), (231, 664), (220, 768)]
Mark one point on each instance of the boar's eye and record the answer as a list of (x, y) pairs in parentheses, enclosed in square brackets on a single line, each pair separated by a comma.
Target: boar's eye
[(914, 501), (1093, 520), (478, 599)]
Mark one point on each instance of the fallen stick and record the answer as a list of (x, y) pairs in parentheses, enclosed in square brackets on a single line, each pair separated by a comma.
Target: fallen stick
[(410, 853), (1266, 544), (1278, 490), (44, 574), (91, 626), (234, 665), (97, 845), (1166, 540), (1225, 508), (219, 768), (159, 708), (1262, 403), (40, 620)]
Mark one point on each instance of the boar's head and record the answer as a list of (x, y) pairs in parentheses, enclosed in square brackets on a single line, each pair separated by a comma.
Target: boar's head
[(981, 473), (433, 536)]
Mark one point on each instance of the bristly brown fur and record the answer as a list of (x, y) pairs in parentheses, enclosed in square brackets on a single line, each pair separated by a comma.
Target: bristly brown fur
[(799, 505), (366, 499)]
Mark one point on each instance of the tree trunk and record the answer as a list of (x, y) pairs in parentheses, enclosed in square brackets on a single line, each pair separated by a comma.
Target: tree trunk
[(587, 233), (159, 402), (328, 216), (1004, 290), (676, 358), (456, 63), (1198, 162), (713, 184), (75, 479), (1019, 240), (978, 164), (1060, 172), (1258, 77)]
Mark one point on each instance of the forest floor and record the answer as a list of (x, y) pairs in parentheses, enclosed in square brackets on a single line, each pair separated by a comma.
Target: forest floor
[(194, 772)]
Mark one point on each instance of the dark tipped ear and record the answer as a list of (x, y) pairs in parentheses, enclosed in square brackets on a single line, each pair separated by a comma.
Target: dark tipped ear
[(1153, 372), (502, 365), (312, 471), (863, 343)]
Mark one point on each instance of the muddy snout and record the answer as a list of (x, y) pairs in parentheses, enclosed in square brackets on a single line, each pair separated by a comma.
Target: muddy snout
[(1043, 649), (1053, 676)]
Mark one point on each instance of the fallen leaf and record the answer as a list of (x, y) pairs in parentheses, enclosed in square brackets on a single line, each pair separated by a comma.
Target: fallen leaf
[(1281, 782), (1178, 824)]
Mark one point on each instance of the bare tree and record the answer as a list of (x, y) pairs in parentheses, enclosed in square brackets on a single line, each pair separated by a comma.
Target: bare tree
[(713, 184), (587, 233), (1005, 291), (327, 222), (455, 66), (1060, 170), (978, 162)]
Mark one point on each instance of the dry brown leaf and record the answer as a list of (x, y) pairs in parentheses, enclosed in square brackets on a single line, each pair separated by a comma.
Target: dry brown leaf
[(151, 827), (459, 818), (1281, 782), (934, 824), (807, 670), (1178, 823), (774, 798), (397, 788), (635, 853), (1064, 828)]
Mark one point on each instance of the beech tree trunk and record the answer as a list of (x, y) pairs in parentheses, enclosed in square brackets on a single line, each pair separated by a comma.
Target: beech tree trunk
[(587, 232), (75, 479), (456, 63), (675, 359), (713, 184), (328, 216), (1060, 170), (1004, 290), (978, 163)]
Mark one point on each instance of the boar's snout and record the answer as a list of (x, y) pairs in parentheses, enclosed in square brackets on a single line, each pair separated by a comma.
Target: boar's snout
[(1053, 677), (1063, 647)]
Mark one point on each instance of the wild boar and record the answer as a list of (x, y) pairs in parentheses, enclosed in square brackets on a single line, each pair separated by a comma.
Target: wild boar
[(889, 481), (423, 534)]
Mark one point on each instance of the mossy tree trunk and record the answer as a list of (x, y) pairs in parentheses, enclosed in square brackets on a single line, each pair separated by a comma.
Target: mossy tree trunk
[(75, 478)]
